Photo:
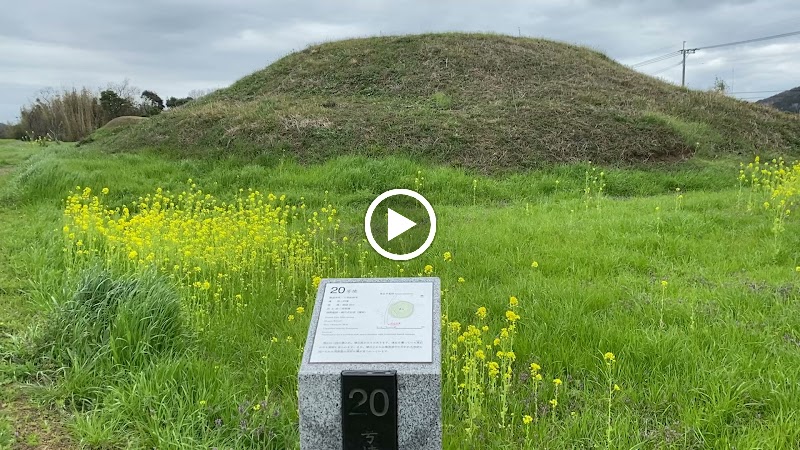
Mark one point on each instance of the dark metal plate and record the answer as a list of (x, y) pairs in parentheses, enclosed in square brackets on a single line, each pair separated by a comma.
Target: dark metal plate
[(369, 410)]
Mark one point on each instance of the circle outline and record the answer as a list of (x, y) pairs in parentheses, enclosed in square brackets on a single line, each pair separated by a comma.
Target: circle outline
[(404, 303), (368, 222)]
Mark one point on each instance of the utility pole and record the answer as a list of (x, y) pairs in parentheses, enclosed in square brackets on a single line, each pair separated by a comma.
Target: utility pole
[(684, 51)]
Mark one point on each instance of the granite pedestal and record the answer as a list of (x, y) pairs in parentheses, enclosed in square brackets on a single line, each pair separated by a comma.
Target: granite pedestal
[(378, 322)]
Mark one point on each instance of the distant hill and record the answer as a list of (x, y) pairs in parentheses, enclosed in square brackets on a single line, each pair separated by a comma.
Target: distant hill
[(486, 102), (788, 101)]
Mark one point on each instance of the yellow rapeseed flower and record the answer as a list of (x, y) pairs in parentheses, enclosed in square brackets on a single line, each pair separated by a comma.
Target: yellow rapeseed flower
[(554, 403), (664, 283), (557, 381), (617, 388), (526, 419), (511, 316), (513, 301), (494, 369), (447, 256), (481, 312), (535, 264), (461, 279), (300, 310), (104, 191), (609, 357), (535, 367), (291, 317), (428, 269)]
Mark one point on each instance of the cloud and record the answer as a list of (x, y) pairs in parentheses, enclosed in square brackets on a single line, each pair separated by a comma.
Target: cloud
[(296, 35), (25, 51), (173, 46)]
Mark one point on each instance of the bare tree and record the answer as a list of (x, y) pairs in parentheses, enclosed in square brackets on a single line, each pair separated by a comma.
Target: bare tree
[(199, 93), (125, 90)]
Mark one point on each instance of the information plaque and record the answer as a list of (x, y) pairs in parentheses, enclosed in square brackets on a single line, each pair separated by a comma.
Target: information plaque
[(375, 323), (371, 374), (369, 410)]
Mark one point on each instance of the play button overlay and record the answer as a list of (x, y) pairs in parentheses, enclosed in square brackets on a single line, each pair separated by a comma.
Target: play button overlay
[(400, 224)]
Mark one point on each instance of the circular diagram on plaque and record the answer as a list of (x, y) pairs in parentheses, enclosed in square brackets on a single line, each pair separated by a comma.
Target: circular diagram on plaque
[(401, 309)]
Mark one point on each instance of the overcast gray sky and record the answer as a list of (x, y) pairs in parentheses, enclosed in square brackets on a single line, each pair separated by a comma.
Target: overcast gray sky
[(175, 46)]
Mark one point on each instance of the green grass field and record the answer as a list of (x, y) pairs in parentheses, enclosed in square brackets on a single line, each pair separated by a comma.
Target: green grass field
[(141, 359)]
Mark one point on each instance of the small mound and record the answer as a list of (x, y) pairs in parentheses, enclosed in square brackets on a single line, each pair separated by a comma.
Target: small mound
[(123, 121), (486, 102), (111, 128)]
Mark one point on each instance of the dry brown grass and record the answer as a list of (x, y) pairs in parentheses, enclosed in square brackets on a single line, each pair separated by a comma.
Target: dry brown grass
[(68, 115)]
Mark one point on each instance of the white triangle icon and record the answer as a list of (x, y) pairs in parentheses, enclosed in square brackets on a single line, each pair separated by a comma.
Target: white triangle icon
[(397, 224)]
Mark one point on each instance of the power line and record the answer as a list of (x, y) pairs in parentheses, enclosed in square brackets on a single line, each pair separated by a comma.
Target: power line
[(727, 44), (657, 59), (686, 51), (667, 68), (755, 92), (765, 38)]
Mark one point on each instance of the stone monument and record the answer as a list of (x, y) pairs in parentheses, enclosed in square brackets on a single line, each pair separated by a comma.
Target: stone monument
[(370, 378)]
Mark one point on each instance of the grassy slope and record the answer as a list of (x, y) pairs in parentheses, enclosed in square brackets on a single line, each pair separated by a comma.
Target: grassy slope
[(719, 373), (485, 102), (24, 265)]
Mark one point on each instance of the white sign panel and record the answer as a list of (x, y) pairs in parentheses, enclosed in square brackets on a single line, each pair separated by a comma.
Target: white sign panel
[(375, 323)]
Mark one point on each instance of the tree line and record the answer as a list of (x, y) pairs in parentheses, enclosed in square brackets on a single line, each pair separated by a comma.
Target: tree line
[(72, 114)]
